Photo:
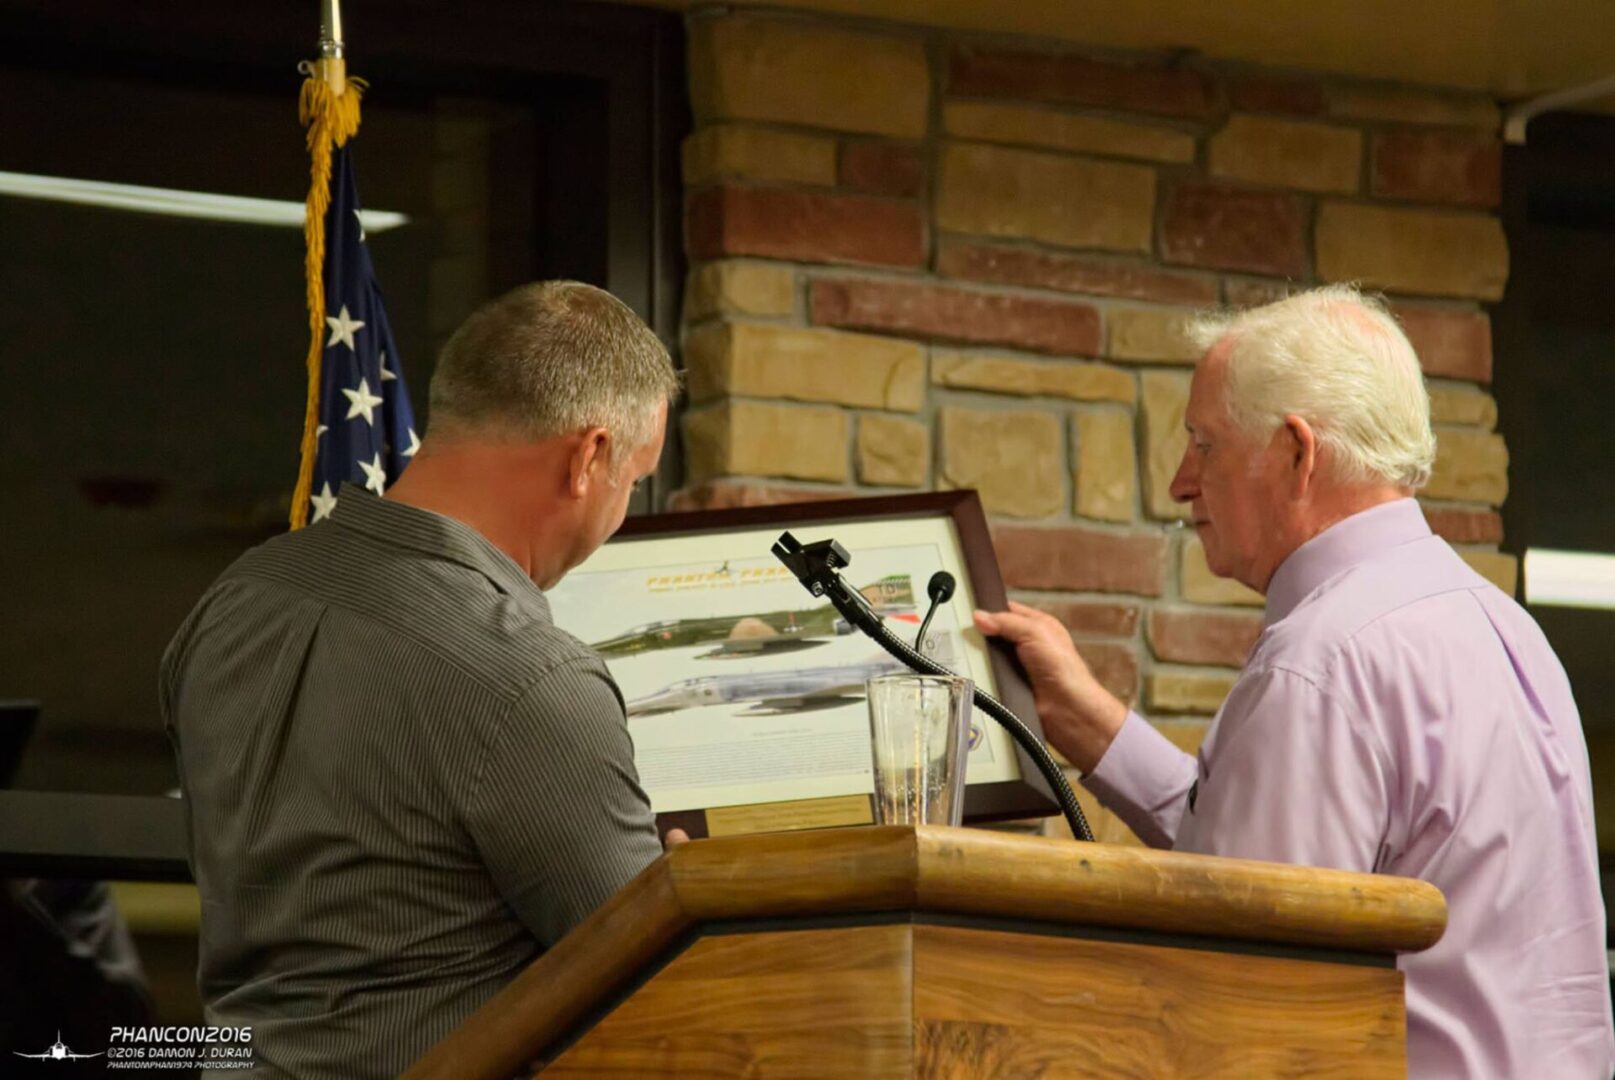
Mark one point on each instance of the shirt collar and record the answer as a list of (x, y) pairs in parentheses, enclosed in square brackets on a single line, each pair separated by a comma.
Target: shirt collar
[(1338, 548), (435, 534)]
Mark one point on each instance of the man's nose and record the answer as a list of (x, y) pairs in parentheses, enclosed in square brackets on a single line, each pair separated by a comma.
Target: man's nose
[(1186, 482)]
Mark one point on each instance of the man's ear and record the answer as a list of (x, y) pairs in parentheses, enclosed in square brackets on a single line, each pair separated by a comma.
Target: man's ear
[(587, 462), (1301, 451)]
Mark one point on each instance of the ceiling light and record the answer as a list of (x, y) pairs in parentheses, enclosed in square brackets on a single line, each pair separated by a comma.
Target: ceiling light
[(1579, 579), (175, 203)]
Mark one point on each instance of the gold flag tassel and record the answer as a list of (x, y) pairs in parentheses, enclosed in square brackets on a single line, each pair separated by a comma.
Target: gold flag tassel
[(329, 108)]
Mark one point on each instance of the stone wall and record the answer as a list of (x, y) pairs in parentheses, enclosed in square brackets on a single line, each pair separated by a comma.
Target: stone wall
[(926, 260)]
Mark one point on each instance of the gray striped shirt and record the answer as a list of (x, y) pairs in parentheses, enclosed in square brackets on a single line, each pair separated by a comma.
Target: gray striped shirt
[(403, 781)]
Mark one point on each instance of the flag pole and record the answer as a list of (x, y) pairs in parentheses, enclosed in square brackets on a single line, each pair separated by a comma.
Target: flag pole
[(329, 109), (333, 68)]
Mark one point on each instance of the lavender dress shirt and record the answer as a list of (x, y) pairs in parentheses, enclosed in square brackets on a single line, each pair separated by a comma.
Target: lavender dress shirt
[(1401, 715)]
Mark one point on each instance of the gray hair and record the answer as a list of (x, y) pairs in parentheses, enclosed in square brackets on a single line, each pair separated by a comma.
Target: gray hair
[(1337, 359), (550, 358)]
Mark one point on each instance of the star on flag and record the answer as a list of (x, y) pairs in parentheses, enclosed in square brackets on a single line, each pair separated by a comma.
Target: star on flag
[(361, 375)]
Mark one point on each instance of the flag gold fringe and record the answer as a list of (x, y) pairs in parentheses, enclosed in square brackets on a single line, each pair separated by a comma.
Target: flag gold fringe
[(332, 118)]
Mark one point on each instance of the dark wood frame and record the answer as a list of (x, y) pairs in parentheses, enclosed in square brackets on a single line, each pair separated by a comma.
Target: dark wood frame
[(1028, 797)]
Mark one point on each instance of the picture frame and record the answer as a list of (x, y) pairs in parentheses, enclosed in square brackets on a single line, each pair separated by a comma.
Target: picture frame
[(744, 692)]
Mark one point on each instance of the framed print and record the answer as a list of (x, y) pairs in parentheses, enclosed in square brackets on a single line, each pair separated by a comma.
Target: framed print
[(745, 693)]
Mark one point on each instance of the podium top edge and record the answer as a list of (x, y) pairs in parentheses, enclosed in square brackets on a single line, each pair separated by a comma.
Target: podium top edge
[(992, 874)]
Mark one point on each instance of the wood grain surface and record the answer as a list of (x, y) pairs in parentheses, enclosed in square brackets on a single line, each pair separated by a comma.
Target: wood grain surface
[(963, 872), (989, 1003), (786, 1005), (969, 871)]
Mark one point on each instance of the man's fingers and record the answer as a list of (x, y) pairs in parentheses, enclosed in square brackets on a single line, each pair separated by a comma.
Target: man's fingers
[(674, 838), (1005, 624)]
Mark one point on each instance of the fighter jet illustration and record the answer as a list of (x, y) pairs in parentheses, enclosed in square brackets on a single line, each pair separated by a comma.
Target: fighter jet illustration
[(798, 690), (769, 632), (57, 1052), (771, 691)]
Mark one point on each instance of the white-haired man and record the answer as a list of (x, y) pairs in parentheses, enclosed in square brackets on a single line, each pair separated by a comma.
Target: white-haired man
[(404, 781), (1398, 714)]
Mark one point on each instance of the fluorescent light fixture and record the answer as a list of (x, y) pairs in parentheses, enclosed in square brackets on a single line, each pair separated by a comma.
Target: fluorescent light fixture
[(1580, 579), (175, 203)]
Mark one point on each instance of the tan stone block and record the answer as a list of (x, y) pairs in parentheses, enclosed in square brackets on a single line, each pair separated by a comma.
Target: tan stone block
[(1183, 692), (1429, 252), (892, 450), (1078, 380), (723, 150), (1165, 397), (740, 288), (1106, 478), (1288, 153), (1500, 569), (1471, 466), (1150, 335), (1412, 107), (758, 67), (1449, 405), (731, 494), (759, 360), (1030, 126), (1015, 459), (1073, 202), (1197, 583), (754, 438), (1186, 735)]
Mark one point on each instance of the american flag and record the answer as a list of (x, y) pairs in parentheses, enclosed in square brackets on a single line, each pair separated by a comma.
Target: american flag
[(366, 430)]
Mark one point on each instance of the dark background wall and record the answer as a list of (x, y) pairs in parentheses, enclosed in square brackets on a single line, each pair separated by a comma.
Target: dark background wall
[(151, 368), (1556, 388)]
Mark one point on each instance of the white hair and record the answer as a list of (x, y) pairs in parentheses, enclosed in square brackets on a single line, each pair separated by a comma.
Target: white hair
[(1338, 360)]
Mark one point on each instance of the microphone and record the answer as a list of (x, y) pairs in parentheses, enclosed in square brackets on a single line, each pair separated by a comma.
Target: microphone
[(940, 590), (817, 566)]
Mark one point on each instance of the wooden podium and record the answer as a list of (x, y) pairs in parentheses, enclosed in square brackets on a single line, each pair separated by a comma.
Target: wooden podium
[(935, 952)]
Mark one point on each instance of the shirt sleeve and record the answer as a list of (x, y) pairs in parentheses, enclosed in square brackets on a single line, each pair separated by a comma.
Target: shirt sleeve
[(1287, 775), (1144, 780), (558, 813)]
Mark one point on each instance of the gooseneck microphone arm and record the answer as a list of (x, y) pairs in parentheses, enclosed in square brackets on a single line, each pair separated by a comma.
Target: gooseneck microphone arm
[(817, 566)]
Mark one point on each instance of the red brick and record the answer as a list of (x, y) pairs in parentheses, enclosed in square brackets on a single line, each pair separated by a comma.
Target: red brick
[(1073, 273), (1288, 97), (1075, 80), (1465, 526), (721, 496), (942, 312), (1081, 560), (1115, 666), (804, 226), (1089, 618), (882, 168), (1464, 170), (1203, 637), (1451, 342), (1229, 228)]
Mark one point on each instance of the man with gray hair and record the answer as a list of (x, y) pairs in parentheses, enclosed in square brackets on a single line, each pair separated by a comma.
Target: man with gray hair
[(1398, 714), (404, 782)]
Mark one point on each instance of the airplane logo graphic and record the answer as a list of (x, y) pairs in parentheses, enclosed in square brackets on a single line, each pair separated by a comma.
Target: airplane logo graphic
[(57, 1052)]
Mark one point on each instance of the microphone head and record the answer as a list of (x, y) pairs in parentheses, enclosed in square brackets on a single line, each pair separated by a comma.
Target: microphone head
[(940, 587)]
